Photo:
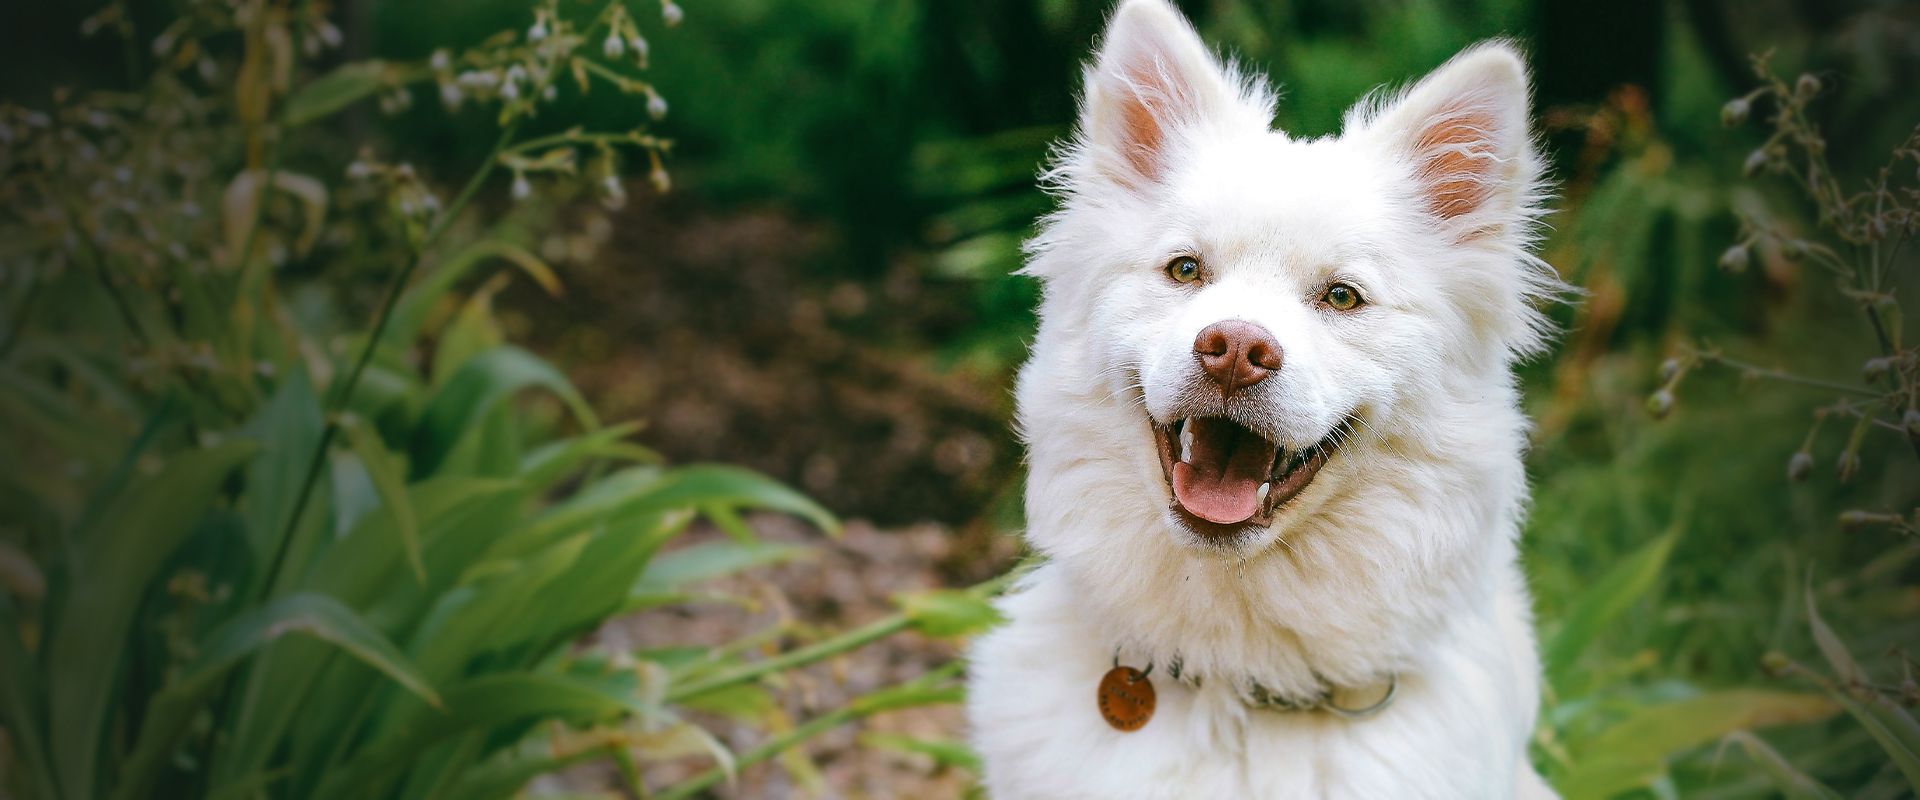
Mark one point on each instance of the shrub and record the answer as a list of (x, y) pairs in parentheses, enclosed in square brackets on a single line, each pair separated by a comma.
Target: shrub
[(251, 547)]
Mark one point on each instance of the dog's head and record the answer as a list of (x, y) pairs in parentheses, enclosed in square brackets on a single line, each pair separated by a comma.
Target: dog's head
[(1273, 312)]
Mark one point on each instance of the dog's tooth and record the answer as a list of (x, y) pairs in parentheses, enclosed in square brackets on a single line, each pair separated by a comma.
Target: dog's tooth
[(1186, 441), (1264, 488)]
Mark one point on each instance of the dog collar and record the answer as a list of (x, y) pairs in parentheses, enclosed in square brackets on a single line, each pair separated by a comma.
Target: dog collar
[(1126, 697)]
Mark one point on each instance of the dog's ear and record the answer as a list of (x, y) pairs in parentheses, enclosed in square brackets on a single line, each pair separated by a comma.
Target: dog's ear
[(1152, 83), (1463, 131)]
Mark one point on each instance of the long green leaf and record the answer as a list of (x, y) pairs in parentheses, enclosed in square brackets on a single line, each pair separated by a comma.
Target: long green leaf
[(389, 480), (314, 615), (1601, 604), (1635, 750), (23, 705), (118, 560), (709, 560), (336, 90), (1792, 783), (483, 381), (703, 485), (486, 703), (418, 302), (292, 422)]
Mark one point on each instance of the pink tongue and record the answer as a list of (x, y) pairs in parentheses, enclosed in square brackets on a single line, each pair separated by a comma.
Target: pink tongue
[(1220, 480)]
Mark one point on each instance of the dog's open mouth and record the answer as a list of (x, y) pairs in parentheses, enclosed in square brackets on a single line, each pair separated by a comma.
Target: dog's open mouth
[(1225, 477)]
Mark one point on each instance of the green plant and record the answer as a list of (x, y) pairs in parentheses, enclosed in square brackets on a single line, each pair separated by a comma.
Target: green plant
[(1857, 239), (251, 547)]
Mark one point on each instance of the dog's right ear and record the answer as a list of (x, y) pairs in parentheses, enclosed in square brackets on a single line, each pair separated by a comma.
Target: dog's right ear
[(1151, 85)]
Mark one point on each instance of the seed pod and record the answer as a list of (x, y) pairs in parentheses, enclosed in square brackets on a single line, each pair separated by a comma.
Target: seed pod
[(1800, 466), (1735, 259), (1806, 87), (1669, 370), (1756, 161), (1775, 663), (1660, 404), (1848, 466), (1735, 111)]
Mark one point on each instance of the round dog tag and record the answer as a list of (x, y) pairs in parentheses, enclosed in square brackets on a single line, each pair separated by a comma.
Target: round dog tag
[(1126, 698)]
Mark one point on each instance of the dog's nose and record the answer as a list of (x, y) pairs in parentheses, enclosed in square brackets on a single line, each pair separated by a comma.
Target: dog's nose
[(1236, 354)]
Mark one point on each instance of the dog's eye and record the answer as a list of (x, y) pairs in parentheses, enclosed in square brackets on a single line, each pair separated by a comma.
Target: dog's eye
[(1185, 269), (1341, 297)]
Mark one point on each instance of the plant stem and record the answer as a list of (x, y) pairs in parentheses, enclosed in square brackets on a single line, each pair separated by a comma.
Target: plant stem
[(824, 649), (850, 712), (1787, 377)]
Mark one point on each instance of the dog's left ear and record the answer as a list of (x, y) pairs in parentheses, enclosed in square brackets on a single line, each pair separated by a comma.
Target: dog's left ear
[(1463, 132)]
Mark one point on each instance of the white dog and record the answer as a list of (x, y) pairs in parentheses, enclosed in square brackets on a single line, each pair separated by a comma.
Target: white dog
[(1275, 444)]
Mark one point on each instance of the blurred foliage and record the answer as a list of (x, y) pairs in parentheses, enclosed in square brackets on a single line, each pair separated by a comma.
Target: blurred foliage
[(255, 547), (1669, 557)]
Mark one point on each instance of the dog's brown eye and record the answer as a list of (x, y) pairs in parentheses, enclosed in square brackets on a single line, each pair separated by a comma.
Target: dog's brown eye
[(1185, 269), (1341, 297)]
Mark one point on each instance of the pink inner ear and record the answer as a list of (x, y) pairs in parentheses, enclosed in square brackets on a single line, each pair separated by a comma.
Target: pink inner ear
[(1151, 99), (1457, 160)]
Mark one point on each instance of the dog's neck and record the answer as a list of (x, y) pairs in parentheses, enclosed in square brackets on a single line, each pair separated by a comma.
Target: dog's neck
[(1376, 561)]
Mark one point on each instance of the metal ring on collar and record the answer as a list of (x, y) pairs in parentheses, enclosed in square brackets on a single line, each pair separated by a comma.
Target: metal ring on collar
[(1393, 687)]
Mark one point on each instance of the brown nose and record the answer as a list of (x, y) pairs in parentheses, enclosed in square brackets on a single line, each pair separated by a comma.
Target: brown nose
[(1236, 354)]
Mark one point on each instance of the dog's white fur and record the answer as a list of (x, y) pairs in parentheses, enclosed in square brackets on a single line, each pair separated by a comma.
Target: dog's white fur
[(1400, 557)]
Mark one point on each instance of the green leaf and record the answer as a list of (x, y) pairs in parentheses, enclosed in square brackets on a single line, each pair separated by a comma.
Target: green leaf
[(711, 485), (1834, 650), (473, 331), (292, 422), (554, 460), (1792, 783), (1891, 726), (945, 752), (336, 90), (474, 389), (490, 702), (314, 615), (1635, 750), (709, 560), (947, 613), (115, 563), (23, 705), (1601, 604), (418, 302), (389, 480)]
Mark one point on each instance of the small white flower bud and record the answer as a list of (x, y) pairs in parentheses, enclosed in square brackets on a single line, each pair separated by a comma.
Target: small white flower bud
[(522, 189), (441, 60), (656, 105), (613, 47), (450, 95), (330, 34), (659, 178), (538, 32), (671, 14)]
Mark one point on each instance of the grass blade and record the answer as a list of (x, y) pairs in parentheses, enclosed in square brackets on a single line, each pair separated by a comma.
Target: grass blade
[(389, 480), (119, 559)]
